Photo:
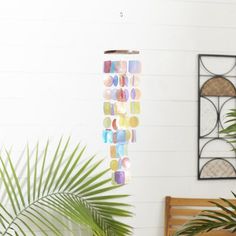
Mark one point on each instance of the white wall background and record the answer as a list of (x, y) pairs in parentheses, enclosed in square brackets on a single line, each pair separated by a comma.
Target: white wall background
[(51, 54)]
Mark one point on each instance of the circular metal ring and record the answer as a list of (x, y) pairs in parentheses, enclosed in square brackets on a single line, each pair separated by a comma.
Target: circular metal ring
[(121, 52)]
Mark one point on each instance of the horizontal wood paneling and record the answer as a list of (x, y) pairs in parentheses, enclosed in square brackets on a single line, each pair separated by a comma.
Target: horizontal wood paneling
[(79, 86), (51, 85), (156, 188), (163, 164)]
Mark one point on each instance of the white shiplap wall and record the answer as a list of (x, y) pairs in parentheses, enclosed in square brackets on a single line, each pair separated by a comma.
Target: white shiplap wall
[(51, 55)]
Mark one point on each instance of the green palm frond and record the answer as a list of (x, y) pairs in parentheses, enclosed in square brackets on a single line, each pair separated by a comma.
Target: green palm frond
[(57, 189), (230, 130), (221, 218)]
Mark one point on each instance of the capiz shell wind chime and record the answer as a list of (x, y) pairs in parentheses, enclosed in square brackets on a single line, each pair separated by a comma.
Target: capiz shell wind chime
[(121, 108)]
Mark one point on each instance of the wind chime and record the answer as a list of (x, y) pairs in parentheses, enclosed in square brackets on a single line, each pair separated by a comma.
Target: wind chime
[(121, 109)]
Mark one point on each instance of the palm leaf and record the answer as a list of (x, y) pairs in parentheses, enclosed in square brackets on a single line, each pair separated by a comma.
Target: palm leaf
[(221, 218), (58, 189), (230, 130)]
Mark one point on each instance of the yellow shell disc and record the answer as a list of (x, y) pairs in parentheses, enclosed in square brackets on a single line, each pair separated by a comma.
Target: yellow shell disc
[(133, 121)]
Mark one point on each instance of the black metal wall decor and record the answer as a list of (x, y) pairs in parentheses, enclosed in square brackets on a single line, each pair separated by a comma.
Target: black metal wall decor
[(216, 96)]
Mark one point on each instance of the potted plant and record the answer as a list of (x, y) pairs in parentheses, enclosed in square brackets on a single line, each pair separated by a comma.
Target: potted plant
[(50, 190)]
